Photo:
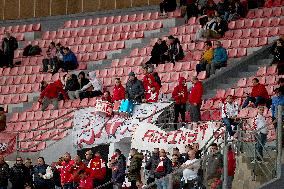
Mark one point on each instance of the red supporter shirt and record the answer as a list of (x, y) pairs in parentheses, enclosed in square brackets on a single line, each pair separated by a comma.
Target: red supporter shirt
[(53, 89), (118, 93), (180, 89), (97, 168), (76, 169), (259, 90), (86, 183), (196, 93), (66, 172)]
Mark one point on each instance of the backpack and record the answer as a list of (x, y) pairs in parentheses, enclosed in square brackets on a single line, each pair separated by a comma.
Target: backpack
[(26, 50), (34, 50)]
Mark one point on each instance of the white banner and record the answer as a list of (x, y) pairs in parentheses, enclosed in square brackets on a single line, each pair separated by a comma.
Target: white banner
[(148, 136), (92, 128)]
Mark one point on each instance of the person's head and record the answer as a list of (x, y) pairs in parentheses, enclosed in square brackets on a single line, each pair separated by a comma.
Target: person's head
[(77, 159), (97, 154), (260, 110), (208, 45), (52, 45), (40, 161), (176, 151), (2, 159), (163, 153), (106, 94), (159, 41), (194, 79), (117, 81), (67, 157), (89, 155), (58, 46), (195, 146), (133, 151), (81, 75), (7, 34), (139, 184), (191, 154), (230, 99), (281, 81), (117, 152), (255, 81), (28, 162), (187, 148), (68, 76), (82, 174), (174, 158), (278, 92), (171, 39), (214, 148), (145, 69), (182, 81), (218, 44), (2, 111), (66, 50), (156, 151), (131, 76), (19, 160)]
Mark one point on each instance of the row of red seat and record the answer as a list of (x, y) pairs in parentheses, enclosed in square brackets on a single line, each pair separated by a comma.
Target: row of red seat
[(39, 136), (21, 28), (92, 39), (13, 99), (51, 35), (19, 89), (256, 23), (265, 12), (18, 36), (117, 19), (31, 146), (273, 3)]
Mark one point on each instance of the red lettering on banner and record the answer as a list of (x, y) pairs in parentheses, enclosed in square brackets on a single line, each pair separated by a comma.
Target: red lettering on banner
[(173, 141), (203, 128), (192, 137), (155, 137), (182, 138), (163, 137), (149, 134)]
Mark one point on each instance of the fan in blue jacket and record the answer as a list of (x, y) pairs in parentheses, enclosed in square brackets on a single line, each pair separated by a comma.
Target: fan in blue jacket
[(69, 60), (277, 100), (220, 58)]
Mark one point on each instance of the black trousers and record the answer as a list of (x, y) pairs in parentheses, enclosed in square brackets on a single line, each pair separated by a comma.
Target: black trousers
[(9, 57), (180, 109), (69, 66), (167, 7), (133, 185), (90, 94)]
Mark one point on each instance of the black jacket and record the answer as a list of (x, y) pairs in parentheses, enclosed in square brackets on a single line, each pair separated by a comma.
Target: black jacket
[(221, 27), (159, 49), (72, 84), (9, 45), (84, 82), (167, 170), (134, 88), (4, 174), (152, 164), (176, 50), (19, 176)]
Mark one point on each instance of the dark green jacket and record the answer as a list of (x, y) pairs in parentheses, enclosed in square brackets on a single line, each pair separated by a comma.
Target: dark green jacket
[(135, 167)]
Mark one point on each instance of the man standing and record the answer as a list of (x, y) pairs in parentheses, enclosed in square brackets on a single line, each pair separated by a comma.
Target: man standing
[(118, 170), (42, 174), (4, 173), (89, 156), (180, 158), (180, 95), (134, 169), (214, 164), (97, 169), (195, 99), (259, 94), (152, 164), (229, 114), (50, 95), (77, 167), (134, 88), (19, 174), (163, 169), (220, 58), (9, 45), (2, 119), (66, 172)]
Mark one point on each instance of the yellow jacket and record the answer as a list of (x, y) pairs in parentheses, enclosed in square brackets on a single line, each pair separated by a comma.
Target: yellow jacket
[(208, 55)]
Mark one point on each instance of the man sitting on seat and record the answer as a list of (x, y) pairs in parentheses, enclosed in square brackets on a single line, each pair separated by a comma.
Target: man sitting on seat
[(206, 59), (134, 88), (69, 60), (219, 59), (259, 94), (158, 50), (50, 95)]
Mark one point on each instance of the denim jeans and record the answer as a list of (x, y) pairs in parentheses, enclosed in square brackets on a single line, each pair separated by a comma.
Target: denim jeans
[(228, 122), (3, 187), (256, 100), (68, 186), (162, 184), (260, 142)]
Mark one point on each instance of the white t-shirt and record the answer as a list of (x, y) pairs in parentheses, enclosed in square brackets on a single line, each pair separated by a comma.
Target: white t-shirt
[(189, 174)]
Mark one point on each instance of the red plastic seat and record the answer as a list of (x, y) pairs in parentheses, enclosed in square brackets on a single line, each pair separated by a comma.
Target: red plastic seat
[(206, 116), (264, 32), (207, 105), (248, 23), (273, 31), (239, 24), (261, 71), (220, 93), (14, 118), (257, 23), (272, 70), (232, 53), (258, 13), (276, 12), (216, 115), (254, 32), (242, 52), (270, 80), (239, 92)]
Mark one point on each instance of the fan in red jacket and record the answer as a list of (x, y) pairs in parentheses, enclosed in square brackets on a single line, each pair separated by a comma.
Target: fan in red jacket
[(180, 96), (152, 89), (118, 91), (97, 169), (231, 166), (76, 168), (195, 99), (259, 94), (50, 95), (66, 171)]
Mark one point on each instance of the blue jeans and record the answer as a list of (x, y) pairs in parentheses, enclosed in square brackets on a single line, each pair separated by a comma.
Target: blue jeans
[(68, 186), (162, 184), (256, 100), (3, 187), (260, 142), (228, 122)]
